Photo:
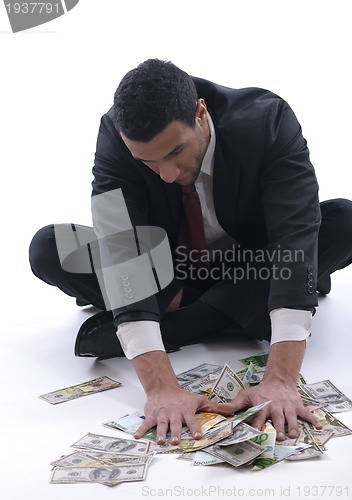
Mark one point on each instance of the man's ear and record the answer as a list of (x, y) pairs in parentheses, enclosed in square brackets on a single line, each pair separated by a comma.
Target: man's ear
[(201, 111)]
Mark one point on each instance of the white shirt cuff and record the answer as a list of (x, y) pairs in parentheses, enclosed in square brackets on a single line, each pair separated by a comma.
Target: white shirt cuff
[(139, 337), (290, 324)]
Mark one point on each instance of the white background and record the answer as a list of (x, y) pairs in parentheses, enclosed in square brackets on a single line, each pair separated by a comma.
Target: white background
[(56, 82)]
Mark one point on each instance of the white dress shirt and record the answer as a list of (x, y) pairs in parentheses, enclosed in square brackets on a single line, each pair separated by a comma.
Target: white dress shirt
[(139, 337)]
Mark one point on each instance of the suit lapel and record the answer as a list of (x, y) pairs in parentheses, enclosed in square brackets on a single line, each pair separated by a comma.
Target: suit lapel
[(227, 176)]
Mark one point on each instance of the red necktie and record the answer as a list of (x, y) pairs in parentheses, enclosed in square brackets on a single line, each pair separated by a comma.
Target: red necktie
[(191, 234)]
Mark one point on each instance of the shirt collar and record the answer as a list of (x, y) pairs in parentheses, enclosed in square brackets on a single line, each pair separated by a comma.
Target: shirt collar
[(208, 160)]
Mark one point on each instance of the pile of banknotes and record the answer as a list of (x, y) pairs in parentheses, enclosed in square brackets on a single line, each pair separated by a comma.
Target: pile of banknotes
[(233, 440), (111, 460), (103, 459)]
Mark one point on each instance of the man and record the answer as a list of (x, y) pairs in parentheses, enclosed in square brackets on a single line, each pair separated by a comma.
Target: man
[(258, 193)]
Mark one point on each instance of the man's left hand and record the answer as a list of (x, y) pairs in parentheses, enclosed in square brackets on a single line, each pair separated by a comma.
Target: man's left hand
[(286, 405)]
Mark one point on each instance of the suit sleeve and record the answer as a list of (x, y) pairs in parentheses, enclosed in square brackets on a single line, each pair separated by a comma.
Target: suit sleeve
[(289, 195), (119, 210)]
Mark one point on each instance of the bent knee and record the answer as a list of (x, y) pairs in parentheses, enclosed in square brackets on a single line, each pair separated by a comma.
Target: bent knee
[(338, 214), (42, 249)]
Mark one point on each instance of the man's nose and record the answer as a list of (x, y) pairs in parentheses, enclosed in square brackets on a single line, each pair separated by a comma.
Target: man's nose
[(169, 172)]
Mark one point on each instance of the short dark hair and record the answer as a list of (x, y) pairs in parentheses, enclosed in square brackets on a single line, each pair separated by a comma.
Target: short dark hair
[(150, 97)]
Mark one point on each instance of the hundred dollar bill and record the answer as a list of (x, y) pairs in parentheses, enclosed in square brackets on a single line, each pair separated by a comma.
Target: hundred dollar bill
[(187, 456), (112, 444), (105, 475), (227, 386), (313, 448), (197, 373), (236, 454), (326, 392), (305, 454), (95, 459), (260, 359), (202, 385), (242, 432), (203, 458), (321, 436), (77, 391), (330, 422), (301, 380)]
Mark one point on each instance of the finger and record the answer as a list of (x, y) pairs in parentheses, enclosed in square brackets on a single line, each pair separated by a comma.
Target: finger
[(260, 418), (292, 424), (193, 426), (161, 429), (278, 420), (175, 430), (144, 427), (310, 417)]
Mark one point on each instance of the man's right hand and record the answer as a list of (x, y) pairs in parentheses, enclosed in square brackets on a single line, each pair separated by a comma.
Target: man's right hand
[(170, 408)]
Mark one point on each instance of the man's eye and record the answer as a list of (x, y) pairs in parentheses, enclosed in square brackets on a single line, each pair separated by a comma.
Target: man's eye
[(175, 153)]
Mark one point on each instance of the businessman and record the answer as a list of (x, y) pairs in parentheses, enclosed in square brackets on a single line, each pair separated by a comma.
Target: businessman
[(226, 174)]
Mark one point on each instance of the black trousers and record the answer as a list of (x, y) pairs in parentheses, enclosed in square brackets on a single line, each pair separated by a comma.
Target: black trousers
[(205, 310)]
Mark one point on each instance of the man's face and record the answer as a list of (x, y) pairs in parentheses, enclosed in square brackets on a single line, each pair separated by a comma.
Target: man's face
[(176, 153)]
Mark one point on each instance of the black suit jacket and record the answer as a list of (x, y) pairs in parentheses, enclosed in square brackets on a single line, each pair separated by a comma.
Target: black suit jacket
[(265, 189)]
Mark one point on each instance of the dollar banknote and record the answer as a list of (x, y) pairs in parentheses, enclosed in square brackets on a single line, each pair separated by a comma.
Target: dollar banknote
[(236, 454), (330, 422), (105, 475), (94, 386), (321, 436), (313, 449), (227, 386), (79, 458), (326, 392), (112, 444), (203, 458), (200, 379), (242, 432), (201, 371)]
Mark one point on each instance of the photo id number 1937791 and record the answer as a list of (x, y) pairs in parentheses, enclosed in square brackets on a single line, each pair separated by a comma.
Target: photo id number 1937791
[(322, 491), (33, 8)]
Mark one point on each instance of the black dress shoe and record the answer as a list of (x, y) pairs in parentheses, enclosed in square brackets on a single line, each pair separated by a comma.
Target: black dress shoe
[(324, 286), (97, 338), (82, 302)]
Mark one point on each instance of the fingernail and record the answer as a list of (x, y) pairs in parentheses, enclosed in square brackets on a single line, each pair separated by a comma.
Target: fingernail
[(160, 440), (197, 435), (280, 435), (174, 440)]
